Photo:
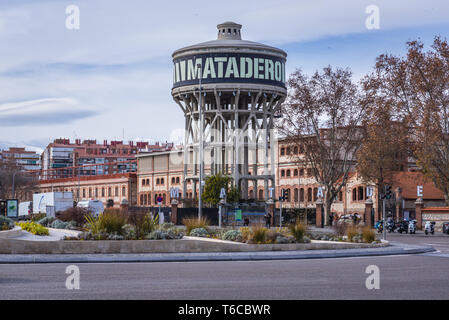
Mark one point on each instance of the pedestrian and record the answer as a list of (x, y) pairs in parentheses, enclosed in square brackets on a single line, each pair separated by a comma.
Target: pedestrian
[(268, 220), (331, 218), (354, 218), (246, 222)]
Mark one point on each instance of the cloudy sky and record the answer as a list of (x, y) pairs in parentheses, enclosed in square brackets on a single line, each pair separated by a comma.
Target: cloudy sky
[(112, 77)]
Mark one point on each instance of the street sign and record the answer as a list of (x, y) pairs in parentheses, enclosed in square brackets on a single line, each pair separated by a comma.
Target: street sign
[(222, 193), (174, 193), (419, 191), (159, 200), (319, 193)]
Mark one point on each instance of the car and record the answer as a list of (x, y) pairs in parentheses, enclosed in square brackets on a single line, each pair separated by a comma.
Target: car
[(446, 227)]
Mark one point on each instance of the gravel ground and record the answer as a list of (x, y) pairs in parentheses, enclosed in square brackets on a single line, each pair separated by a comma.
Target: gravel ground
[(55, 235)]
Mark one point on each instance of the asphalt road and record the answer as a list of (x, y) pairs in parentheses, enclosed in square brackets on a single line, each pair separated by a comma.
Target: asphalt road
[(423, 276), (401, 277)]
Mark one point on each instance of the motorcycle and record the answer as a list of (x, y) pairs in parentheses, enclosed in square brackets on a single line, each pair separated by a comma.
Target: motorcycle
[(402, 226), (412, 227), (391, 226), (429, 227), (379, 226)]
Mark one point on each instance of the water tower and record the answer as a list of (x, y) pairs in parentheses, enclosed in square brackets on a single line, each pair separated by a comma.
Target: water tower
[(230, 90)]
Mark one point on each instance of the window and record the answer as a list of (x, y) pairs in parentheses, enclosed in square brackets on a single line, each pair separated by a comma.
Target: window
[(282, 173), (177, 179), (90, 193), (360, 193), (289, 151), (309, 194), (282, 151), (295, 173), (315, 194), (251, 194), (143, 182), (288, 173), (103, 192), (354, 194), (173, 180), (340, 196), (116, 192), (110, 192), (84, 193), (145, 198), (96, 192), (141, 199), (295, 150), (162, 180), (301, 195), (123, 191), (301, 172), (296, 195), (309, 172), (148, 182), (157, 181), (260, 194)]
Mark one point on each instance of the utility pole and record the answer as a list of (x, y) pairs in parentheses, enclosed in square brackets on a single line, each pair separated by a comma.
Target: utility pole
[(13, 184), (201, 146)]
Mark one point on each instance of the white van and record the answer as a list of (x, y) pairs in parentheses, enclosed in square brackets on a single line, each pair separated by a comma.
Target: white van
[(95, 207), (25, 208)]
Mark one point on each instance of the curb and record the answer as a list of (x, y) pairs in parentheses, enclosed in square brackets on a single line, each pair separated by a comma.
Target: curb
[(210, 256)]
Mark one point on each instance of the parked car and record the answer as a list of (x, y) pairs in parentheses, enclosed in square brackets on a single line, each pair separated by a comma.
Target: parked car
[(446, 227)]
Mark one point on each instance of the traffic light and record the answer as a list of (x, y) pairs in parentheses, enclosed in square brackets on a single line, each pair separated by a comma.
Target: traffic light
[(388, 193)]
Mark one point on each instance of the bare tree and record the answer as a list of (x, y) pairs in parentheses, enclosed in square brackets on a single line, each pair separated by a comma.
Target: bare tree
[(322, 116), (13, 174), (417, 85)]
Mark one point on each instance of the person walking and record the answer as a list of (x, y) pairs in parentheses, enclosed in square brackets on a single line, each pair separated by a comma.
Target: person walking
[(268, 220)]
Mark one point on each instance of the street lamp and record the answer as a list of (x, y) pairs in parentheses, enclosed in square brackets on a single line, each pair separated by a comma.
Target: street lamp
[(201, 146), (13, 182)]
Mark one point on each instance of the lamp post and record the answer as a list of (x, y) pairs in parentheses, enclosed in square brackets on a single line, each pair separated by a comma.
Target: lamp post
[(13, 184), (201, 146)]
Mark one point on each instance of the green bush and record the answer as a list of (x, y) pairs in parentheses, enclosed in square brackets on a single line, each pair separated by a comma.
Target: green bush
[(34, 228), (58, 224), (143, 223), (6, 223), (73, 214), (37, 216), (233, 235), (352, 233), (298, 231), (199, 232), (46, 221)]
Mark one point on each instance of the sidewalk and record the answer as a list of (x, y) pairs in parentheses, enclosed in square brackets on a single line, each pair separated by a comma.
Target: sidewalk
[(393, 249)]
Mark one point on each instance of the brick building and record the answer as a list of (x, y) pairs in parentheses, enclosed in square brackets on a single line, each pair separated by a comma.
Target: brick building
[(26, 160)]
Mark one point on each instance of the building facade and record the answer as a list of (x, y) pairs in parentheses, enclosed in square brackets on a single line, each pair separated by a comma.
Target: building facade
[(26, 160)]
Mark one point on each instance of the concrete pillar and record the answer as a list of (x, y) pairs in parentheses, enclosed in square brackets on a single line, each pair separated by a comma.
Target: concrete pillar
[(319, 213), (419, 204), (368, 208), (174, 211)]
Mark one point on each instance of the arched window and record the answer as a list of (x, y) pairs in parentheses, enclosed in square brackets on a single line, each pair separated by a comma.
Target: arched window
[(148, 182), (157, 181), (141, 199), (123, 191), (340, 196), (251, 194), (173, 180), (295, 173), (289, 150), (145, 199), (309, 194), (315, 194), (261, 194), (162, 180), (301, 172), (301, 194), (354, 194), (295, 150), (282, 151), (143, 182), (296, 195), (282, 173), (177, 179), (360, 193), (102, 192), (309, 172), (288, 173)]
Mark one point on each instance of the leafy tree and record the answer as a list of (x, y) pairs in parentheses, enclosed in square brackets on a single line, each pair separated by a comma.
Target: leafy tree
[(213, 186)]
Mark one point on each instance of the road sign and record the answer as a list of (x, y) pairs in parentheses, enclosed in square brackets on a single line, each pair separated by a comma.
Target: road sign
[(159, 199)]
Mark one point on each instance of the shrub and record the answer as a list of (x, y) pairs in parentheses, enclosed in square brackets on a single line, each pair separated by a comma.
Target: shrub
[(258, 234), (112, 221), (272, 236), (6, 223), (246, 233), (129, 232), (34, 228), (58, 224), (298, 231), (94, 224), (143, 223), (351, 232), (169, 234), (37, 216), (340, 229), (233, 235), (368, 234), (194, 223), (73, 214), (46, 221), (199, 232)]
